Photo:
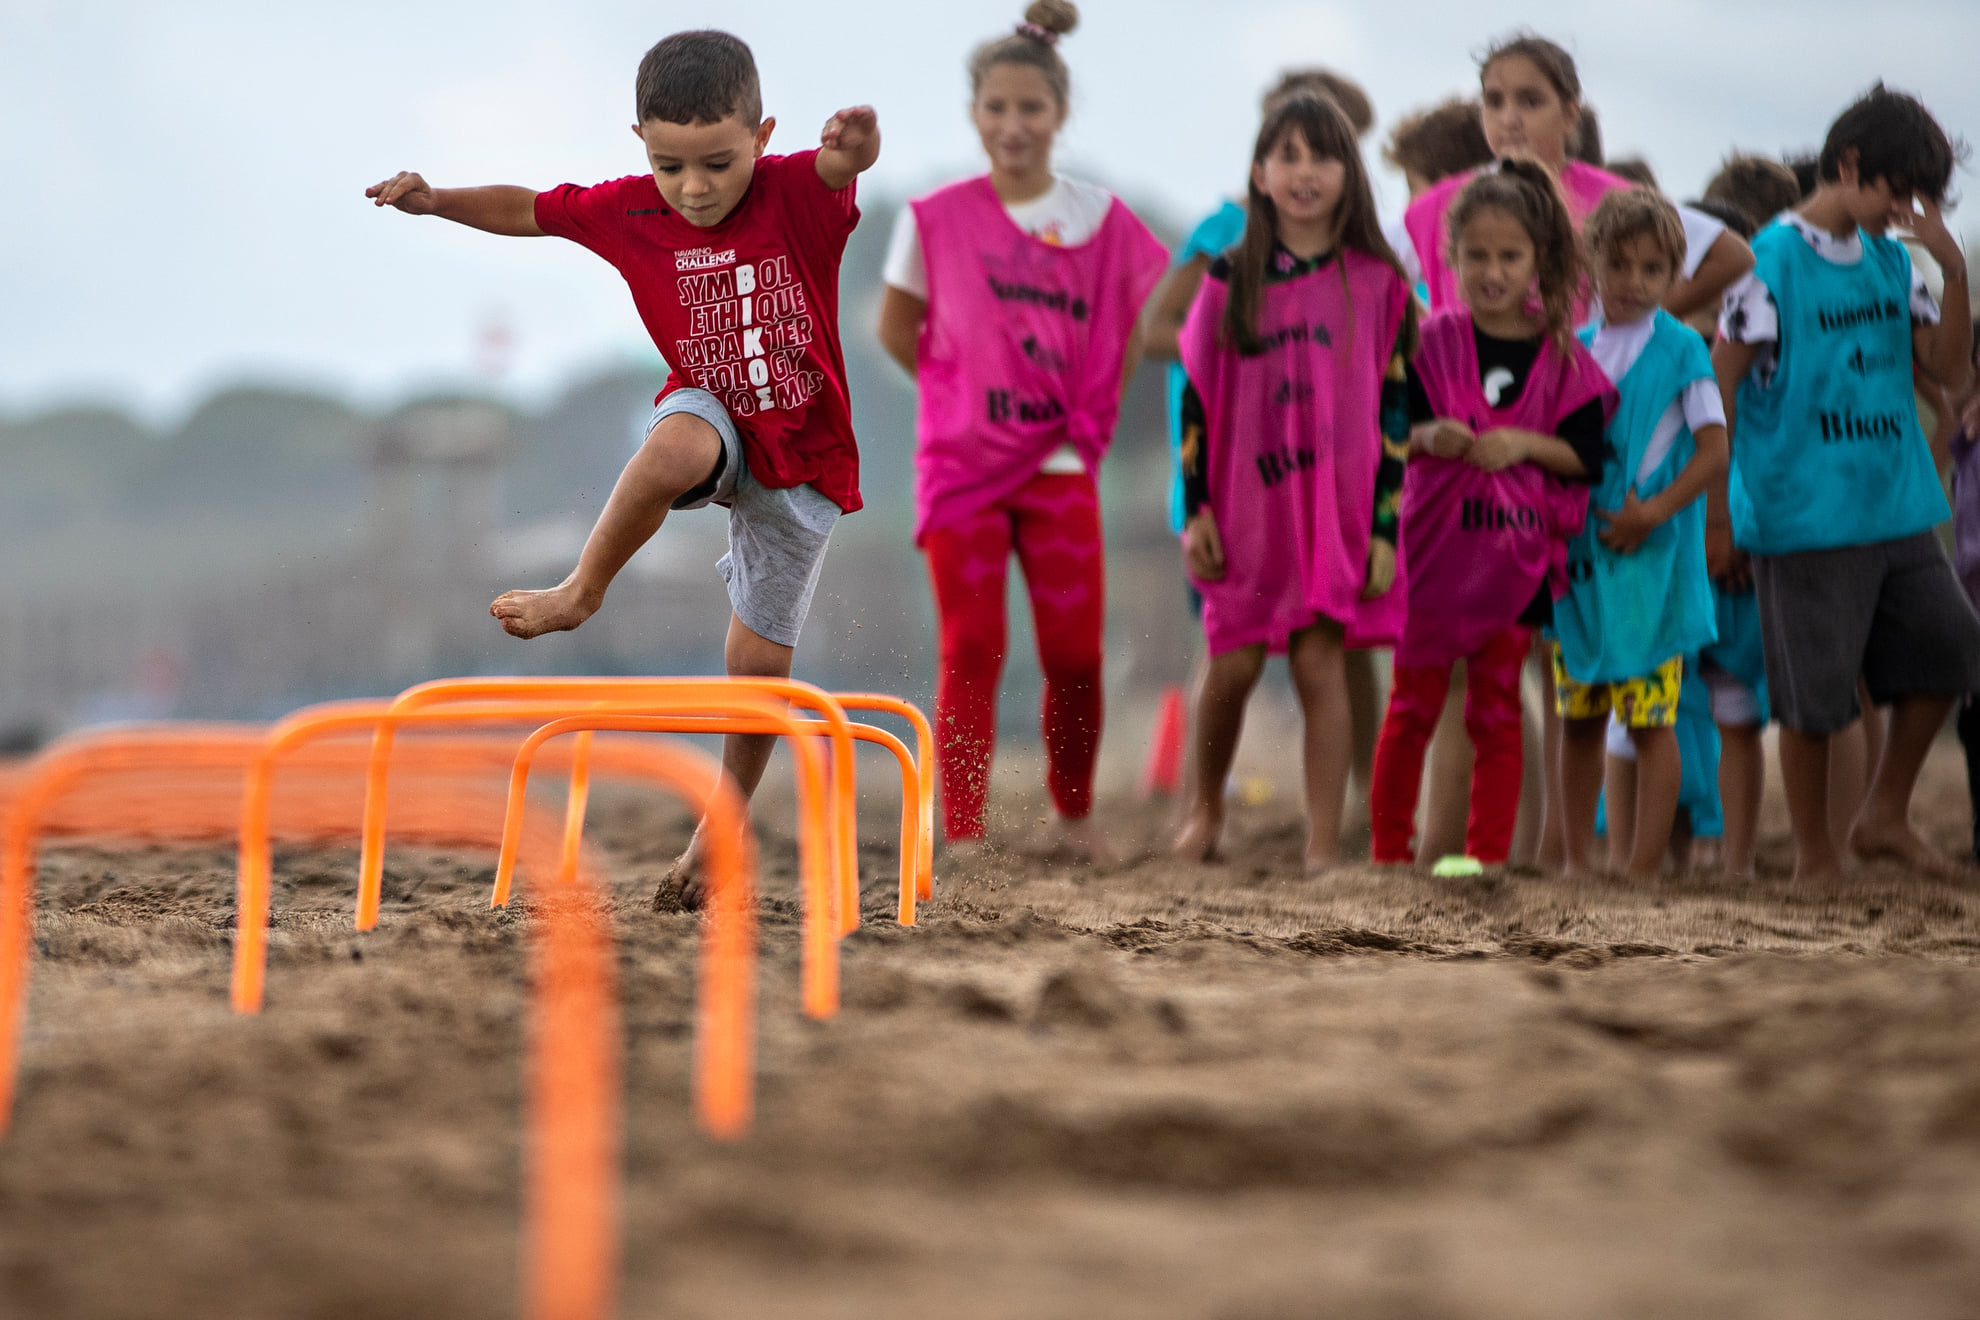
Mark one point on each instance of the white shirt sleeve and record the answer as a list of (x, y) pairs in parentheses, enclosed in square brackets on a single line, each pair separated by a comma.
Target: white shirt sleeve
[(1701, 231), (1703, 405), (1749, 315), (1924, 307), (904, 269)]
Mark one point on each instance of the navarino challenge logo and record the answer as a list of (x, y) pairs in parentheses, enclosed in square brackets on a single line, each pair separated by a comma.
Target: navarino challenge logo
[(703, 258)]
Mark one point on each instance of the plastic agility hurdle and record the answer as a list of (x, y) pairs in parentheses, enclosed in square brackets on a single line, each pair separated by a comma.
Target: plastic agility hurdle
[(713, 693), (152, 750), (820, 951), (913, 790)]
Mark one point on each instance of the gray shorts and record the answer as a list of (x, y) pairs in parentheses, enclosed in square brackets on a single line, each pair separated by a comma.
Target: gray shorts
[(1892, 612), (776, 537)]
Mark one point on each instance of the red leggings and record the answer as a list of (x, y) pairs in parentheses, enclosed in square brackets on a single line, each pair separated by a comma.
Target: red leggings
[(1053, 522), (1491, 717)]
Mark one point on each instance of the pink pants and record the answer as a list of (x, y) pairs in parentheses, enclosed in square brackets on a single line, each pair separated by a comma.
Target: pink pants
[(1053, 523)]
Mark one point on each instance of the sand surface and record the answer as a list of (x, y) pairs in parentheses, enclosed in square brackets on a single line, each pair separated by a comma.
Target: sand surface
[(1161, 1090)]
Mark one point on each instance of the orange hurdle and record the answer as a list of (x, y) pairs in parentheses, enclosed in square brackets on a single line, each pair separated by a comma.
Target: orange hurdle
[(924, 752), (820, 954), (911, 787), (711, 694)]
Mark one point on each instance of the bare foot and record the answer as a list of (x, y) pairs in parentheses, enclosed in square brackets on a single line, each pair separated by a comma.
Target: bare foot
[(1319, 864), (527, 614), (1085, 843), (680, 889), (1885, 843), (1202, 831)]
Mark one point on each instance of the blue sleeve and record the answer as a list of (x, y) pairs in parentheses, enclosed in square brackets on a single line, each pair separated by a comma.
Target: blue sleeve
[(1212, 234)]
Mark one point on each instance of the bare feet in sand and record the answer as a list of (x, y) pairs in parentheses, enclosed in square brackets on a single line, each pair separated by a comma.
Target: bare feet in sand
[(1871, 842), (680, 889), (1080, 840), (528, 614), (1202, 831)]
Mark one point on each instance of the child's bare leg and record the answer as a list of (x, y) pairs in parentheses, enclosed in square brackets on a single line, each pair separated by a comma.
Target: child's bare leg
[(678, 455), (1227, 683), (1584, 745), (1849, 776), (1365, 702), (1619, 789), (1883, 830), (746, 654), (1805, 777), (1550, 854), (1320, 677), (1658, 780), (1447, 787), (1742, 777)]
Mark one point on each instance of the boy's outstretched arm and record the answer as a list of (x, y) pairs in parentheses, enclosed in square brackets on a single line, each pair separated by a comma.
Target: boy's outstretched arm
[(848, 146), (496, 209)]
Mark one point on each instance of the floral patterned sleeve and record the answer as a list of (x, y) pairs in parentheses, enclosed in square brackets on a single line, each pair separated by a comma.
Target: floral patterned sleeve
[(1395, 437)]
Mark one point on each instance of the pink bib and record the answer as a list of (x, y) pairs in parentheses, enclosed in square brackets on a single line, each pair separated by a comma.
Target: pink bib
[(1480, 544), (1023, 347), (1295, 439), (1582, 185)]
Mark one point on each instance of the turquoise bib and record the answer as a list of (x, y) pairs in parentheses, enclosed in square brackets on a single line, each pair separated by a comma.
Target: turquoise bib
[(1829, 452), (1624, 615)]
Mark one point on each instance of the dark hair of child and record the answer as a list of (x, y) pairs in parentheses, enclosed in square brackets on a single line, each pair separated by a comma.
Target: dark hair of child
[(1806, 167), (1895, 139), (1436, 143), (1328, 135), (1527, 192), (1039, 50), (1637, 170), (1630, 213), (1343, 92), (699, 78), (1585, 142), (1758, 185), (1553, 61), (1735, 218)]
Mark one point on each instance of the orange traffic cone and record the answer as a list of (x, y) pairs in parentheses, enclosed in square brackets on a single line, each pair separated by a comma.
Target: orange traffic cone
[(1161, 772)]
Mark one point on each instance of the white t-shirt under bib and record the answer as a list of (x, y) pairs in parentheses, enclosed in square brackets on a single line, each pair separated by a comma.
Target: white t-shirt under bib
[(1065, 215)]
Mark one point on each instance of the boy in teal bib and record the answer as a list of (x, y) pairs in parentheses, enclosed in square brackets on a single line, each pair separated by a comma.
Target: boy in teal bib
[(1639, 599), (1833, 488)]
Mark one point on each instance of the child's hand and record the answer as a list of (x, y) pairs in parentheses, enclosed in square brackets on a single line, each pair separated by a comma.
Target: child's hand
[(1927, 224), (1443, 437), (1624, 529), (1203, 548), (1381, 569), (405, 190), (851, 129), (1725, 563), (1496, 450)]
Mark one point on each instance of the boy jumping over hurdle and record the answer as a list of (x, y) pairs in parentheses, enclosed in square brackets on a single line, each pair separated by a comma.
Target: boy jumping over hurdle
[(732, 257)]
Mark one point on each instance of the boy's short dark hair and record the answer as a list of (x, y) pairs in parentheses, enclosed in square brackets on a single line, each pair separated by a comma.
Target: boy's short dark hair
[(1895, 139), (1760, 186), (1629, 213), (1436, 143), (1734, 217), (699, 78)]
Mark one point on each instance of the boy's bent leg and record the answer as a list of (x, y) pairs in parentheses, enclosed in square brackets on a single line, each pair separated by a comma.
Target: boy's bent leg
[(690, 444)]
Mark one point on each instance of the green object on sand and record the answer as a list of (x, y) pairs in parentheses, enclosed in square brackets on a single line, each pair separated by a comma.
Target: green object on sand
[(1456, 865)]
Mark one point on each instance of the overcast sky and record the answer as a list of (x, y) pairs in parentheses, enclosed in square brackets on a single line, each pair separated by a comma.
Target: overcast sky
[(187, 178)]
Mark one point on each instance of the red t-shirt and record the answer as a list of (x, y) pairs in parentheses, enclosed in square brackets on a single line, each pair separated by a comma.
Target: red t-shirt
[(747, 309)]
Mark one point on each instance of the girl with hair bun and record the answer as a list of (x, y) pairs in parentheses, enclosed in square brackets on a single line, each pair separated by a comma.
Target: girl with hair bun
[(1507, 413), (1013, 298)]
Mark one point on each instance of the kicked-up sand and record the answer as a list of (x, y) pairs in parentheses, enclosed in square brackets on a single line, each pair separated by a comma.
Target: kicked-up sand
[(1160, 1089)]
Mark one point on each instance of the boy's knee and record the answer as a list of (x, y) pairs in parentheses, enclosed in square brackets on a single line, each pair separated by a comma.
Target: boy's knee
[(684, 449), (749, 654)]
